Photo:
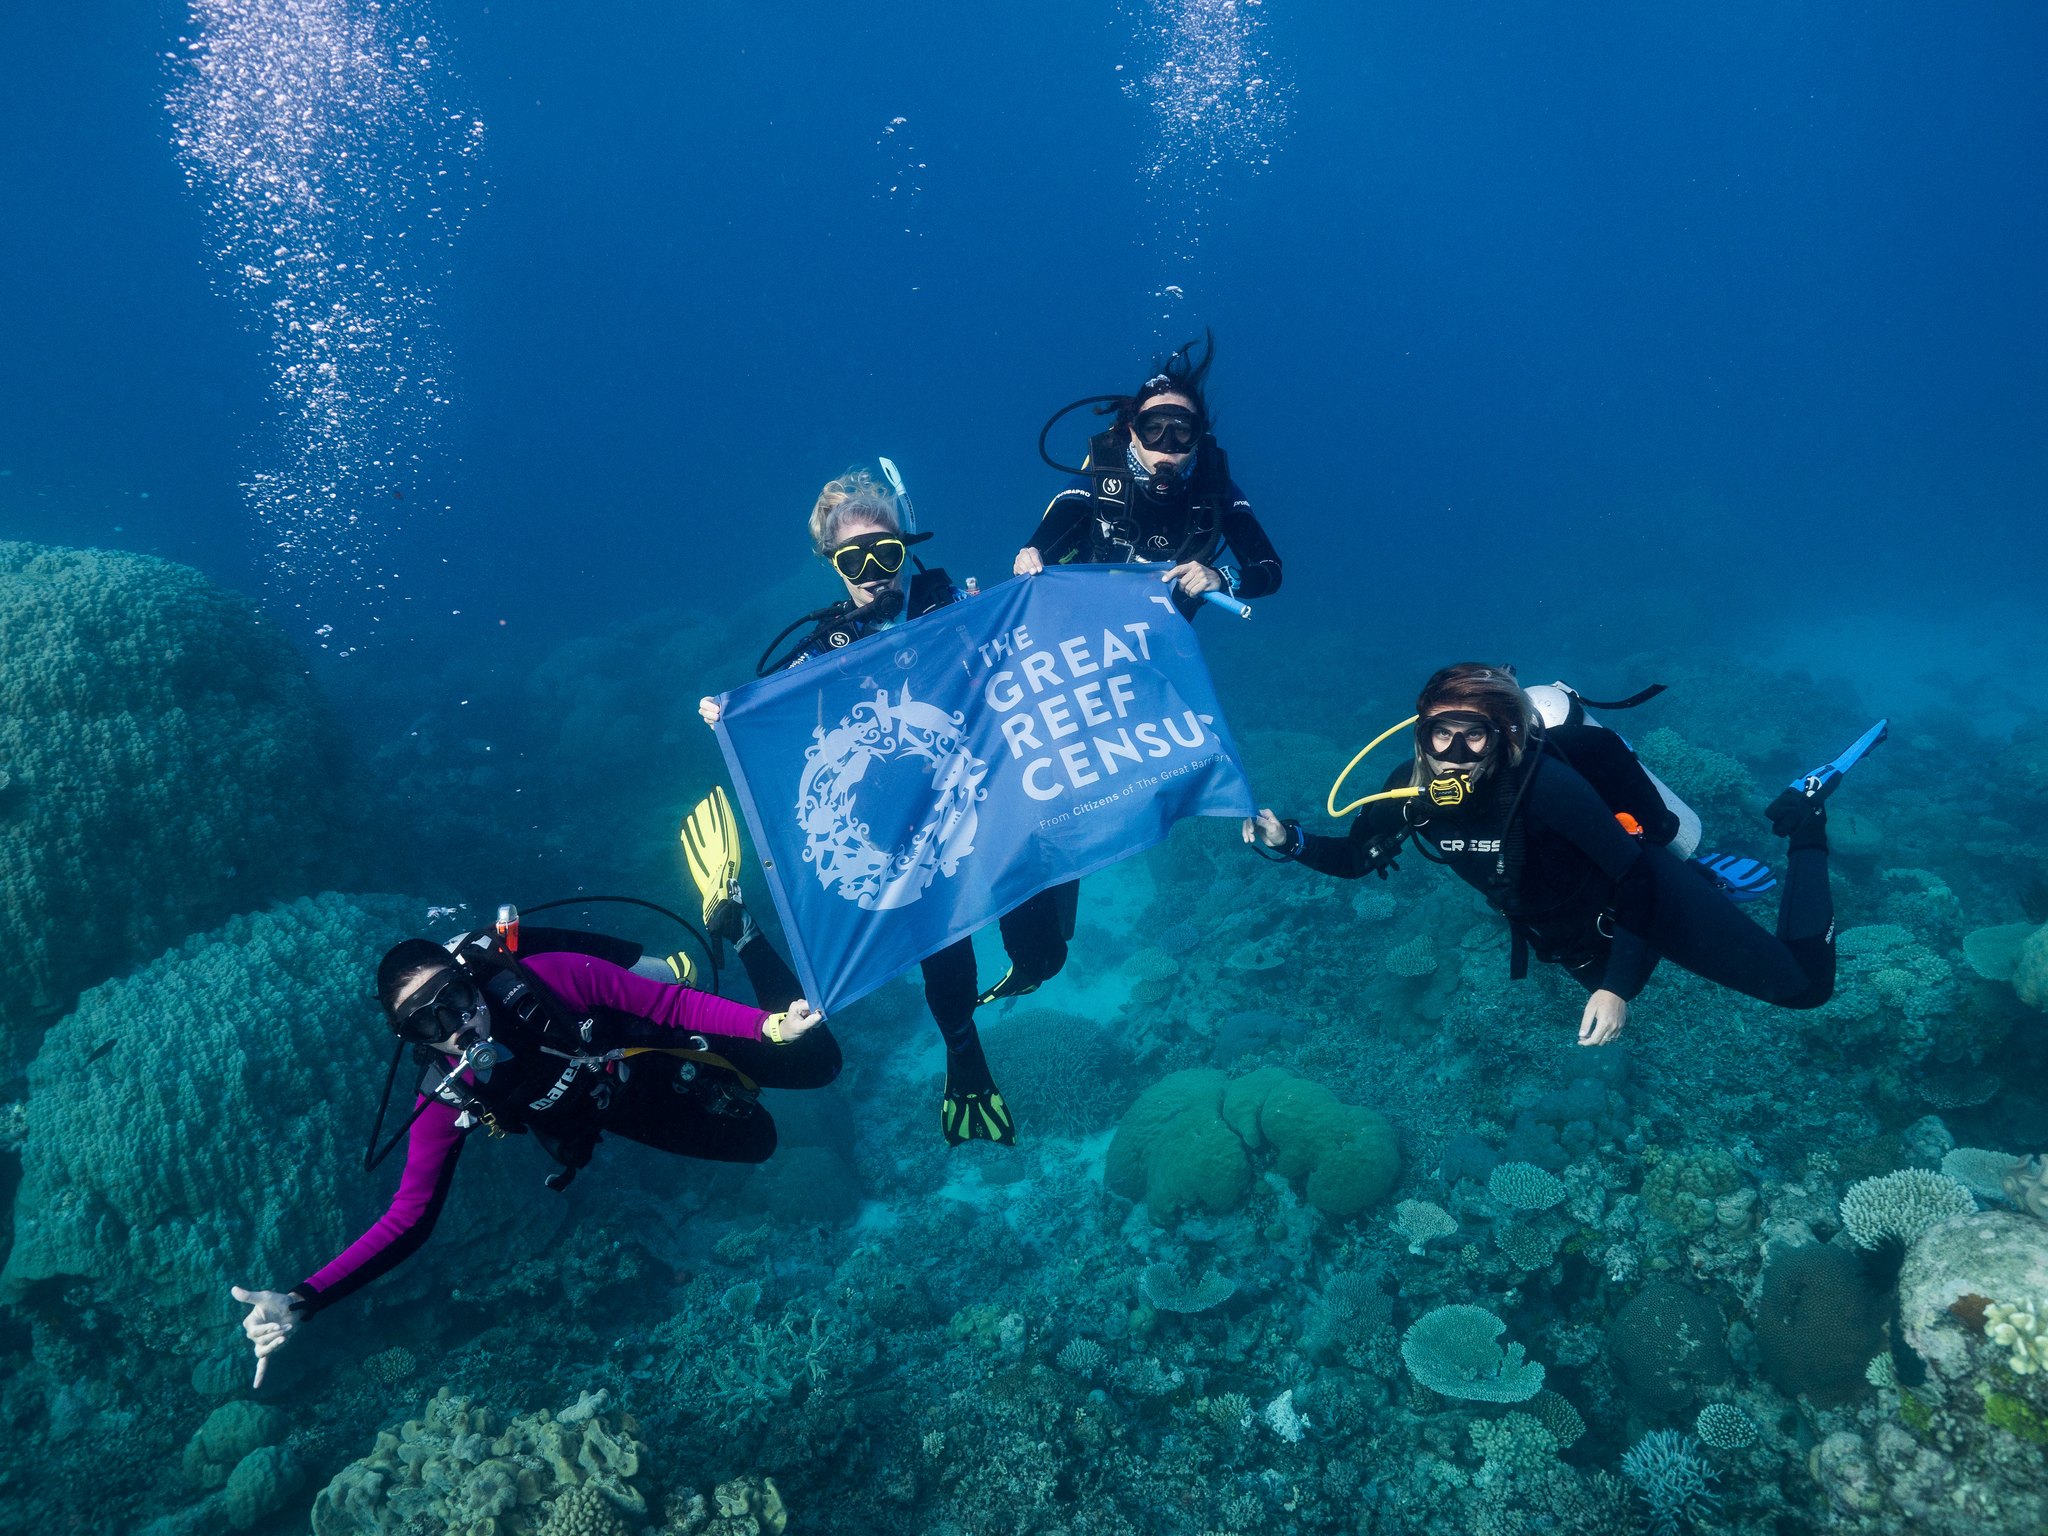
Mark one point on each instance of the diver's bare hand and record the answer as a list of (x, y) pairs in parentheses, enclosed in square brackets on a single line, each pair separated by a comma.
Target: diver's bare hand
[(1605, 1017), (1028, 562), (798, 1020), (708, 710), (1194, 578), (269, 1324), (1265, 829)]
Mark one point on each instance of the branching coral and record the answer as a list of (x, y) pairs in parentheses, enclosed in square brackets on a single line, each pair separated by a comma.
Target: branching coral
[(1902, 1205), (1525, 1187), (1674, 1479), (1060, 1071), (1726, 1427), (1414, 959), (1344, 1318)]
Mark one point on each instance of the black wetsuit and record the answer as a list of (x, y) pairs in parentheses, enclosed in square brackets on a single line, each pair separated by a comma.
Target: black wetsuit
[(1074, 530), (1583, 893)]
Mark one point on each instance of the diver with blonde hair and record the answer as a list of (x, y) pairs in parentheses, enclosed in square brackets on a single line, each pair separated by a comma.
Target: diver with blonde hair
[(865, 529)]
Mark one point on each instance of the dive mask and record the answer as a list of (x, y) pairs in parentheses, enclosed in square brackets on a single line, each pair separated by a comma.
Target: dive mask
[(1457, 736), (883, 552), (435, 1012), (1166, 428)]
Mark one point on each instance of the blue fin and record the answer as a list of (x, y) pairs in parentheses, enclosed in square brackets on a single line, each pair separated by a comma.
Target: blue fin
[(1820, 783), (1737, 878)]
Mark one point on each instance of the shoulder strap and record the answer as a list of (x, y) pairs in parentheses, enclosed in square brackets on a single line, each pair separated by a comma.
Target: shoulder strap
[(929, 589)]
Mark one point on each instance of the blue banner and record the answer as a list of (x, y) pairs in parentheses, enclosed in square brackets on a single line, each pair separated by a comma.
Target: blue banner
[(918, 784)]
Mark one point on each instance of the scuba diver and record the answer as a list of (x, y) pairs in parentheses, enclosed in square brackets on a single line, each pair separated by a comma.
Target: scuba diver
[(1156, 488), (866, 529), (1573, 842), (564, 1045)]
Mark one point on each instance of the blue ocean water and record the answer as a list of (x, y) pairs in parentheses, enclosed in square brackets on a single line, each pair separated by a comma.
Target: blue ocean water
[(483, 362)]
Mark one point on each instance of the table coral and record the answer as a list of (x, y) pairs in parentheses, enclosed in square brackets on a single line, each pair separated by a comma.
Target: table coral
[(1452, 1351)]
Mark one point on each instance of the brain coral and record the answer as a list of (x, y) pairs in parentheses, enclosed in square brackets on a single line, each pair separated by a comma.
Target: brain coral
[(461, 1467), (219, 1140), (163, 762), (1172, 1149), (1188, 1141), (1666, 1344), (1818, 1323)]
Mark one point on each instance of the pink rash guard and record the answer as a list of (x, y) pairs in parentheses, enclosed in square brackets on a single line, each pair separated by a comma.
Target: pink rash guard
[(582, 982)]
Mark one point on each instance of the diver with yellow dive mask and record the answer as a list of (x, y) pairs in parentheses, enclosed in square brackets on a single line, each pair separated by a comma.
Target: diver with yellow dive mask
[(1586, 877)]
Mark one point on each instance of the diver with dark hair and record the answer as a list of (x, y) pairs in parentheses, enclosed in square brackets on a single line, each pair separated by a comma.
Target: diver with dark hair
[(1156, 488), (866, 529), (567, 1047), (1567, 837)]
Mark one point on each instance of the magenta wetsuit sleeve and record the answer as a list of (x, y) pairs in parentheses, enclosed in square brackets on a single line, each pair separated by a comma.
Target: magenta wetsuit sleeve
[(584, 981), (431, 1148)]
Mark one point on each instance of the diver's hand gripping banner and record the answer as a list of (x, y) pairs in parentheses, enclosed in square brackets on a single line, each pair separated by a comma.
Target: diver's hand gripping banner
[(920, 783)]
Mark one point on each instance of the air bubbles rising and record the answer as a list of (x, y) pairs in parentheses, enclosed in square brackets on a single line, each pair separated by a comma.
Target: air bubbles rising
[(334, 180), (1218, 106)]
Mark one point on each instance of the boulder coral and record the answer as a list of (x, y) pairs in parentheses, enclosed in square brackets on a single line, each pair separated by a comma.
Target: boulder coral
[(1188, 1142), (164, 760), (2030, 970), (1998, 1257), (216, 1139)]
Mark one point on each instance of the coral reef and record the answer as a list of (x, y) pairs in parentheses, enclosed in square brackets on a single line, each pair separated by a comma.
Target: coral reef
[(461, 1467), (164, 761), (1452, 1351), (246, 1029)]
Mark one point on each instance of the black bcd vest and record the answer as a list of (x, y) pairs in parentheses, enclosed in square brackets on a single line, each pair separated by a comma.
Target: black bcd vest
[(1124, 525), (1496, 843)]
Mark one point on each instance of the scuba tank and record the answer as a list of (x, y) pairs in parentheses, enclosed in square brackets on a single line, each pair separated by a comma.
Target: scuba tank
[(1567, 718)]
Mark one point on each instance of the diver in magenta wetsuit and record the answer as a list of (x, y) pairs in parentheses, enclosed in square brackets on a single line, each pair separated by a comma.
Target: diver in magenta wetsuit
[(1581, 883), (566, 1046)]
